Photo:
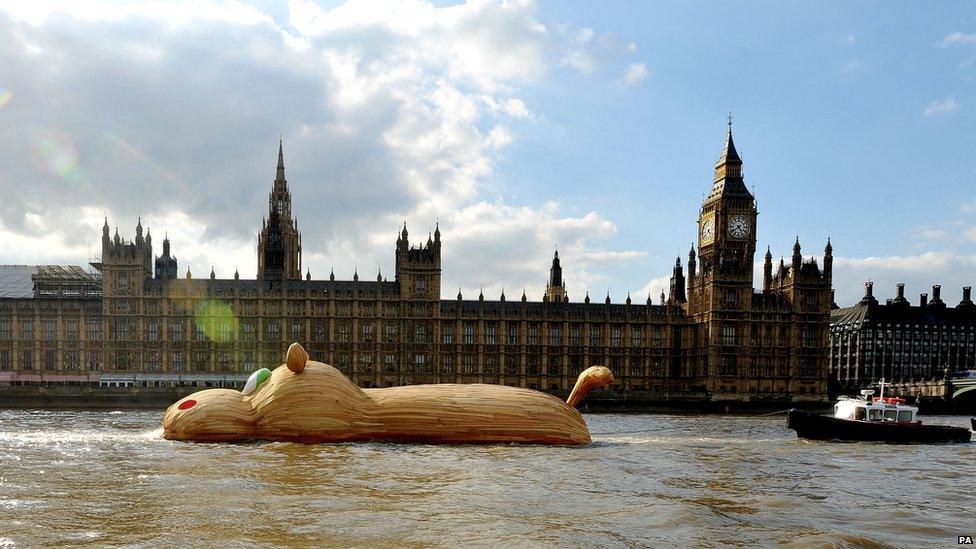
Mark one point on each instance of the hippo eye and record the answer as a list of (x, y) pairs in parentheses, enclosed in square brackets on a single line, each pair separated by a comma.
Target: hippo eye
[(255, 381), (187, 404)]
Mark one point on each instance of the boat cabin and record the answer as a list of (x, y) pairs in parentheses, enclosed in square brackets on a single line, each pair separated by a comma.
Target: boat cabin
[(881, 408)]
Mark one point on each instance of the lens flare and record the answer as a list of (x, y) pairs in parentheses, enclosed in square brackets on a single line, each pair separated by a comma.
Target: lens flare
[(5, 96), (141, 156), (216, 319), (54, 151)]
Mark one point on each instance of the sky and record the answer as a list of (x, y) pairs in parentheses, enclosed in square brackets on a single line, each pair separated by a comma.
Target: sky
[(517, 126)]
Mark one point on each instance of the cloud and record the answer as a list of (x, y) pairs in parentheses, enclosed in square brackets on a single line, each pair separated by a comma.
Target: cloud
[(853, 66), (958, 38), (942, 106), (390, 110), (636, 72), (847, 39)]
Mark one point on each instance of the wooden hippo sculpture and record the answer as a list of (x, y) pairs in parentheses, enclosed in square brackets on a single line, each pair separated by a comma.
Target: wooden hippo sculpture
[(308, 401)]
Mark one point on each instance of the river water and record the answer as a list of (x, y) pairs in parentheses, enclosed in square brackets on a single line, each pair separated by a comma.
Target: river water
[(108, 478)]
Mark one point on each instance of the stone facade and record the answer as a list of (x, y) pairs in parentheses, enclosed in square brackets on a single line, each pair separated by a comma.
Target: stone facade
[(713, 336)]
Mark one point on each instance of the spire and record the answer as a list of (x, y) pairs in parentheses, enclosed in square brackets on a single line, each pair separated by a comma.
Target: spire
[(308, 274), (213, 275), (437, 232), (728, 171), (237, 274), (481, 294), (729, 154), (332, 275), (503, 294), (607, 301), (662, 297), (524, 299), (768, 270), (628, 299), (459, 294), (587, 298), (379, 275), (280, 172)]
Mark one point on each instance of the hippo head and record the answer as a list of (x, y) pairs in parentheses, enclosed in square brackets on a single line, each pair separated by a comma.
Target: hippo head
[(298, 400)]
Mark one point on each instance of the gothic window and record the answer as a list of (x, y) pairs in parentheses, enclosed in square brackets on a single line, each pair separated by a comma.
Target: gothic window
[(615, 336), (27, 359), (657, 336), (201, 362), (94, 360), (809, 336), (552, 366), (366, 363), (319, 332), (223, 360), (420, 363), (574, 335), (491, 364), (177, 361), (274, 331), (729, 334), (121, 329), (248, 361), (469, 333), (71, 329), (532, 365), (636, 335), (49, 360), (728, 365), (153, 361), (420, 285), (176, 331), (343, 332), (533, 337), (420, 333), (447, 333), (447, 364), (596, 335), (391, 333), (490, 337), (344, 308), (297, 308), (731, 299), (319, 308), (153, 329), (512, 333), (49, 331), (248, 330), (296, 330), (367, 329), (467, 362), (5, 359), (198, 333), (280, 206), (554, 335), (5, 329), (511, 365), (122, 283), (389, 364)]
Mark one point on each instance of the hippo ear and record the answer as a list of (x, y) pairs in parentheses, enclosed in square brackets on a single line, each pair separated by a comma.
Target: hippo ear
[(297, 357)]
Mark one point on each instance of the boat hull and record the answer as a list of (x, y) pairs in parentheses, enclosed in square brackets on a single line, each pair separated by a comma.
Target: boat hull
[(821, 427)]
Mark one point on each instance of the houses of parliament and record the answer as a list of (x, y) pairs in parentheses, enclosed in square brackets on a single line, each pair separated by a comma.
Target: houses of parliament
[(712, 337)]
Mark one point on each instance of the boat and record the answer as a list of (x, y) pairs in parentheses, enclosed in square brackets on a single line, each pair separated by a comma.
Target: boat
[(874, 419)]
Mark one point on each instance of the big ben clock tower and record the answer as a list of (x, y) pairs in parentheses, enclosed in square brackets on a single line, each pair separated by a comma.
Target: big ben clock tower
[(720, 292)]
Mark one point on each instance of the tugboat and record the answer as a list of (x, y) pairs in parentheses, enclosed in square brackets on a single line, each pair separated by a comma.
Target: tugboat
[(874, 419)]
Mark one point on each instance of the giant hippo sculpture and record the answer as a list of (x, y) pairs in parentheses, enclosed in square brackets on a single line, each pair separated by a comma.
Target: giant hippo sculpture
[(308, 401)]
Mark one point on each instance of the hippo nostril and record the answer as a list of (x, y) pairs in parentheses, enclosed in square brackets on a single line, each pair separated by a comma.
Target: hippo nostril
[(187, 404)]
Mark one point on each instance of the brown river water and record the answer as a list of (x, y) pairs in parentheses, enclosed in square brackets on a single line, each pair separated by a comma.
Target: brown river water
[(108, 478)]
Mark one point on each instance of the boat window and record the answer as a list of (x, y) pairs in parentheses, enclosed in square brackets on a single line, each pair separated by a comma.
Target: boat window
[(860, 414), (904, 415), (891, 414), (874, 415)]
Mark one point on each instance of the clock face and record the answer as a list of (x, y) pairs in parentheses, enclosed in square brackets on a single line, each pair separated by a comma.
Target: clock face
[(739, 226), (708, 231)]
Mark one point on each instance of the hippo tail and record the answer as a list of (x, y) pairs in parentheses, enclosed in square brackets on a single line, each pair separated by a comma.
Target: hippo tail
[(591, 378)]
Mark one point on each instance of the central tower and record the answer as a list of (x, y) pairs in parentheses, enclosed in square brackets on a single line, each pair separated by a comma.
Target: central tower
[(280, 243)]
